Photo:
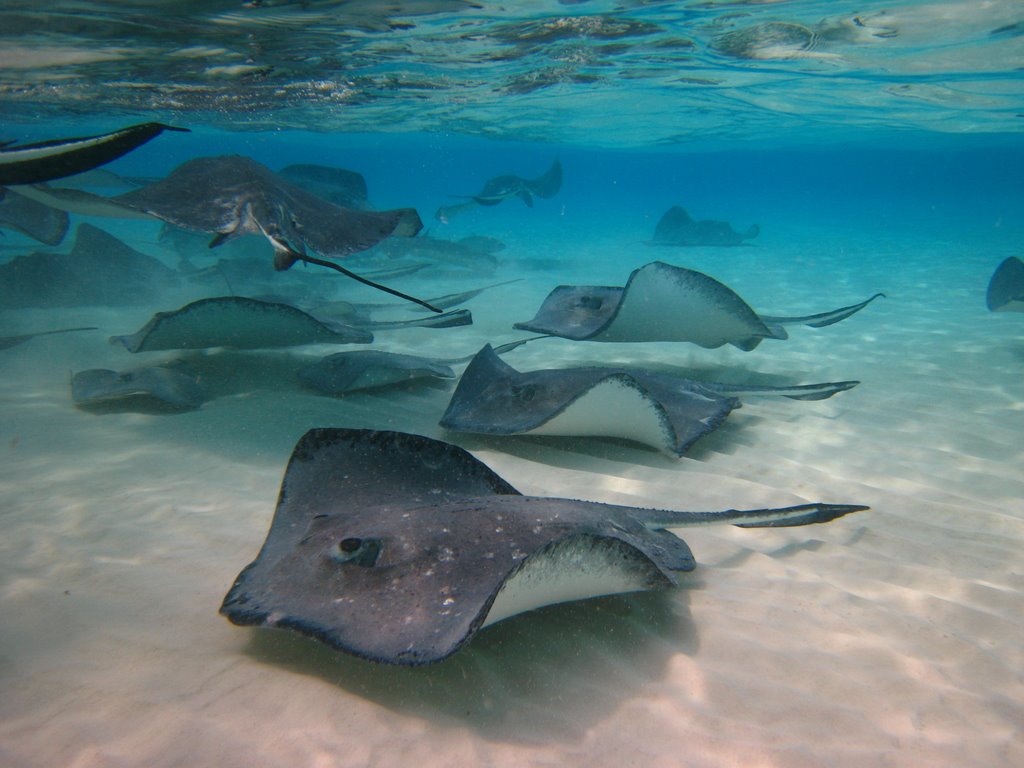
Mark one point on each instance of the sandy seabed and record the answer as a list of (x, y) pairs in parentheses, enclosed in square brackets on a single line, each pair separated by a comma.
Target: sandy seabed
[(890, 637)]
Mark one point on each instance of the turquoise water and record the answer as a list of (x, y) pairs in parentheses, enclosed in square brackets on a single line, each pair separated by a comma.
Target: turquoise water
[(878, 147)]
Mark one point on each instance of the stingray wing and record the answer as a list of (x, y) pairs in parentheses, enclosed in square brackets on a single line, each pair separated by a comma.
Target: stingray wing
[(1006, 287)]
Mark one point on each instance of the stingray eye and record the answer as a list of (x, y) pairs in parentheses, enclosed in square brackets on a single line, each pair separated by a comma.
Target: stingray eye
[(525, 392), (361, 552)]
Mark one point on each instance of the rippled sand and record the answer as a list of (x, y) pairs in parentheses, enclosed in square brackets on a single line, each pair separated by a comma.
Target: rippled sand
[(889, 637)]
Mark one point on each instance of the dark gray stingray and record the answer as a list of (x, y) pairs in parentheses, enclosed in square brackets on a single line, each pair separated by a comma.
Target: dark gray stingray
[(345, 372), (232, 195), (474, 252), (6, 342), (500, 188), (661, 302), (1006, 288), (57, 158), (398, 548), (676, 227), (238, 323), (656, 409), (339, 185), (38, 221), (100, 270), (146, 389)]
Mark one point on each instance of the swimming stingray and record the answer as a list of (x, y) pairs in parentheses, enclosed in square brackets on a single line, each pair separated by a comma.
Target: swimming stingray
[(363, 369), (500, 188), (661, 302), (398, 548), (1006, 288), (230, 196), (6, 342), (145, 389), (664, 411), (55, 159), (676, 227), (238, 323), (38, 221)]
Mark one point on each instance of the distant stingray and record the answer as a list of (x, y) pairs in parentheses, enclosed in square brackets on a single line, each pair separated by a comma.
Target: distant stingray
[(55, 159), (100, 270), (38, 221), (398, 549), (661, 302), (656, 409), (1006, 288), (238, 323), (500, 188), (6, 342), (677, 228), (146, 389)]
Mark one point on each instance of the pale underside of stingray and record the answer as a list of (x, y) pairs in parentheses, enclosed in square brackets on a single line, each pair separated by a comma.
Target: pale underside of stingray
[(662, 302), (398, 548), (656, 409), (1006, 287), (58, 158)]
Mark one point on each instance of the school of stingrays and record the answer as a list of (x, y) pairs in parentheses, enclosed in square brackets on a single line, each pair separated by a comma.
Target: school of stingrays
[(394, 547)]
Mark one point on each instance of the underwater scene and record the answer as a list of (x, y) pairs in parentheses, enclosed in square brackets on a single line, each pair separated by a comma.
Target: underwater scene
[(541, 383)]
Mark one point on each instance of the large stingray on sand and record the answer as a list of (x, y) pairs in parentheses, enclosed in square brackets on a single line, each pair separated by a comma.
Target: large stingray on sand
[(398, 548), (1006, 287), (662, 302), (656, 409)]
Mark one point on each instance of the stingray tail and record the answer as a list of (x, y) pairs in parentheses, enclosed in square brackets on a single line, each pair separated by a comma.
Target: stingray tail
[(821, 391), (784, 517), (821, 319)]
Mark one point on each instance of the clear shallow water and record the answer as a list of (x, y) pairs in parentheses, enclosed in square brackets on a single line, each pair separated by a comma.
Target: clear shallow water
[(872, 162)]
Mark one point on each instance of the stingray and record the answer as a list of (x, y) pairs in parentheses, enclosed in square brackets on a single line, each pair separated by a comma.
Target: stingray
[(656, 409), (1006, 288), (676, 227), (661, 302), (38, 221), (145, 389), (55, 159), (99, 270), (397, 548), (500, 188), (231, 196), (339, 185), (238, 323), (345, 372), (474, 252), (6, 342)]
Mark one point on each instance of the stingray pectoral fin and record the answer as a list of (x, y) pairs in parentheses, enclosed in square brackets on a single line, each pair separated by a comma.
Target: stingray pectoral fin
[(782, 517), (550, 183), (822, 319)]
